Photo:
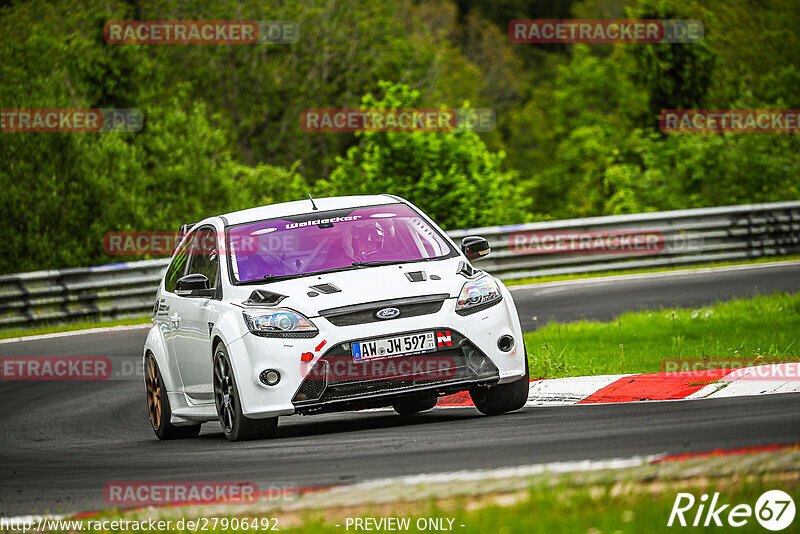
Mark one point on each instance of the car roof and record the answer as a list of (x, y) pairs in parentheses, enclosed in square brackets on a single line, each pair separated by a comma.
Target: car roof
[(298, 207)]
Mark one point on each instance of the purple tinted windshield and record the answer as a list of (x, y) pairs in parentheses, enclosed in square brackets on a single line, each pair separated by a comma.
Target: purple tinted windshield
[(331, 240)]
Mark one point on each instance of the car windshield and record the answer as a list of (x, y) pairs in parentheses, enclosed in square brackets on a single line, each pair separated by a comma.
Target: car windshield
[(332, 240)]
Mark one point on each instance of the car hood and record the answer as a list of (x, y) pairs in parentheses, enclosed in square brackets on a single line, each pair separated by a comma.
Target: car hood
[(369, 284)]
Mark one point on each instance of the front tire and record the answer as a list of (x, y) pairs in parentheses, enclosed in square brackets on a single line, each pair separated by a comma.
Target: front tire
[(158, 407), (503, 398), (414, 405), (235, 425)]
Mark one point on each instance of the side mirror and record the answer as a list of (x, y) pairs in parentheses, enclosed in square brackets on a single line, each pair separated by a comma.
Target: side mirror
[(194, 285), (475, 247)]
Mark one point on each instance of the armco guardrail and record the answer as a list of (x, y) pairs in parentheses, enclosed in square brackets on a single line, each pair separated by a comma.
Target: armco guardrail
[(119, 290), (686, 237), (667, 238)]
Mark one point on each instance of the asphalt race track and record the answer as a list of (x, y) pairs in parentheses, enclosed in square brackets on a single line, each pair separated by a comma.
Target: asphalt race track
[(603, 299), (62, 442)]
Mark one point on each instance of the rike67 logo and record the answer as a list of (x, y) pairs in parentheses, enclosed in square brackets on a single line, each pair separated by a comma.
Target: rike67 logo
[(774, 510)]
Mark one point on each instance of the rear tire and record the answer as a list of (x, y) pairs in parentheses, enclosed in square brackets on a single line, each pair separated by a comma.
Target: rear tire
[(235, 425), (504, 398), (414, 405), (158, 407)]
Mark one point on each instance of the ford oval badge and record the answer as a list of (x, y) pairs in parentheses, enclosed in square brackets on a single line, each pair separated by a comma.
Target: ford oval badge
[(387, 313)]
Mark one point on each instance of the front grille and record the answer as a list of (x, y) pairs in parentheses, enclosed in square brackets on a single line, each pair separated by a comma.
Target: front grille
[(312, 389), (337, 376), (478, 363), (407, 372), (365, 313)]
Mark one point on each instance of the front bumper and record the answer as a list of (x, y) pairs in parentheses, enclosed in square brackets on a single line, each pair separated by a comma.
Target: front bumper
[(337, 382), (250, 355)]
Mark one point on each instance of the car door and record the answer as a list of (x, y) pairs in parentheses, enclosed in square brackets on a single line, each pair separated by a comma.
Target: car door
[(192, 335), (164, 315)]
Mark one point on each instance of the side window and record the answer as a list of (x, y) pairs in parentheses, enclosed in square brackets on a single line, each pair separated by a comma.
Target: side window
[(204, 256), (177, 267)]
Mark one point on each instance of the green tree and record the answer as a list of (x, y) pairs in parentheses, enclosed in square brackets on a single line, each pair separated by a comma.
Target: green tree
[(676, 75), (451, 175), (344, 48)]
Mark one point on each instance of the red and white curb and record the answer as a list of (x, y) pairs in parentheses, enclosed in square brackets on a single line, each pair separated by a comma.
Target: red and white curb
[(607, 389)]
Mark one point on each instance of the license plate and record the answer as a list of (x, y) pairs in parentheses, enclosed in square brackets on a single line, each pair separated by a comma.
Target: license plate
[(394, 346)]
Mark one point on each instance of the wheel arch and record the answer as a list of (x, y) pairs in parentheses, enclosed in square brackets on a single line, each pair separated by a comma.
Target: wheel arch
[(228, 329), (156, 344)]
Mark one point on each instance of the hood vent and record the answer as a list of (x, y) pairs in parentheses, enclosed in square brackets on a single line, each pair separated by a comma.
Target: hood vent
[(417, 276), (326, 288), (263, 297)]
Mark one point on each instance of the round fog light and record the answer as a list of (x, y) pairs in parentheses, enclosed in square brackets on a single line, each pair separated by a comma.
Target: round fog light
[(505, 343), (270, 377)]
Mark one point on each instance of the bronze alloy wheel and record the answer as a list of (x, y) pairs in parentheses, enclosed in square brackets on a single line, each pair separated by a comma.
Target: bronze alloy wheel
[(153, 384), (158, 408), (223, 393)]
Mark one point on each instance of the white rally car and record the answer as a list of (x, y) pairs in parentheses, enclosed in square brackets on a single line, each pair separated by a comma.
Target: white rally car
[(323, 305)]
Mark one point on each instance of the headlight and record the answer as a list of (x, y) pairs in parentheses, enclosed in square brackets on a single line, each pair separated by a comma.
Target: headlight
[(478, 295), (281, 322)]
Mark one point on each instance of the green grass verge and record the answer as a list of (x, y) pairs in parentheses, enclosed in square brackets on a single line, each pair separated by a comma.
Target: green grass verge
[(593, 510), (617, 272), (766, 326), (71, 327), (630, 501)]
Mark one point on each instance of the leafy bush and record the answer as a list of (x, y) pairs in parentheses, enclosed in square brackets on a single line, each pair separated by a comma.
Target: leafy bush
[(450, 175)]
